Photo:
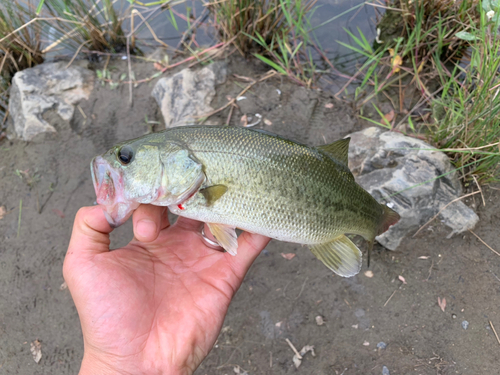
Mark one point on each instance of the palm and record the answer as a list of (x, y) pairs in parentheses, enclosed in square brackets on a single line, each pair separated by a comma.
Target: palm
[(156, 301)]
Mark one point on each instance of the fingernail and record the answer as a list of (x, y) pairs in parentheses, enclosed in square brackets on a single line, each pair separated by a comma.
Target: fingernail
[(146, 230)]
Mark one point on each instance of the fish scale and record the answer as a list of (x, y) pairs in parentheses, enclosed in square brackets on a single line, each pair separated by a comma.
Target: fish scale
[(260, 182), (272, 175)]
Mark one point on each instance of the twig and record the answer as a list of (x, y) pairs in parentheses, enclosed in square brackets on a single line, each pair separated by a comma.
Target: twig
[(393, 293), (484, 243), (76, 54), (430, 270), (302, 289), (19, 219), (480, 190), (294, 349), (129, 72), (203, 16), (442, 209), (233, 101), (494, 331)]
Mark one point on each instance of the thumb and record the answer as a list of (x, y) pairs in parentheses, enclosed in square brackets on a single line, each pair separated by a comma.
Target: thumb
[(90, 235)]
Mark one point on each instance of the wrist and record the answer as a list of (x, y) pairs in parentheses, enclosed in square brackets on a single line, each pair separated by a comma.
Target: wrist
[(96, 364)]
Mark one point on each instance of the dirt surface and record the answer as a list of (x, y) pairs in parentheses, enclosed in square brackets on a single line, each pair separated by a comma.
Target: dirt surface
[(279, 299)]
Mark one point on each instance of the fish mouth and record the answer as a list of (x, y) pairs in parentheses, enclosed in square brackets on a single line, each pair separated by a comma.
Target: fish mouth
[(104, 180), (108, 186)]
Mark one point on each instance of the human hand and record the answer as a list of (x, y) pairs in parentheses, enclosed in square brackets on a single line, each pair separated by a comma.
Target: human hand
[(156, 305)]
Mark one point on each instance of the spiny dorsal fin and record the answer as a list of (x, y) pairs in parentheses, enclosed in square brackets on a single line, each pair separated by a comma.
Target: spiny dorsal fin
[(340, 255), (338, 150), (213, 193), (225, 236)]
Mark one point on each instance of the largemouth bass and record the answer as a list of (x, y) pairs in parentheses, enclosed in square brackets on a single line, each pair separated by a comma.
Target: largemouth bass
[(232, 177)]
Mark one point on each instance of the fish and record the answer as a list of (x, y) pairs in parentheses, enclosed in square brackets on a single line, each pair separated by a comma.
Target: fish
[(253, 180)]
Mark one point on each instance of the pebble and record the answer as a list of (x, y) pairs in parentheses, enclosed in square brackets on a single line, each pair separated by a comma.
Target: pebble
[(465, 324), (385, 371), (381, 345)]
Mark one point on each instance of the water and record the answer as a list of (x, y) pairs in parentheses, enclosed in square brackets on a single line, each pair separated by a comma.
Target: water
[(361, 16), (327, 19)]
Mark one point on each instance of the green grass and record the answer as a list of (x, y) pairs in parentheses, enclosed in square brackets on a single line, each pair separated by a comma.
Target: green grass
[(20, 43), (91, 23), (466, 114), (449, 59), (277, 32)]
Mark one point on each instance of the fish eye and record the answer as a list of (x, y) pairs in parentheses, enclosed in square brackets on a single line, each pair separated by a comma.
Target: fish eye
[(125, 155)]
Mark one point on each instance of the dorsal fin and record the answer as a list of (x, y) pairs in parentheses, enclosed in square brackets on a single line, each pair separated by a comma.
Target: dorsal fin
[(338, 150)]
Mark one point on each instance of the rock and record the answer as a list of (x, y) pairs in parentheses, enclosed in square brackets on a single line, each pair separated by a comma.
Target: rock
[(187, 94), (465, 324), (46, 87), (403, 172), (385, 371)]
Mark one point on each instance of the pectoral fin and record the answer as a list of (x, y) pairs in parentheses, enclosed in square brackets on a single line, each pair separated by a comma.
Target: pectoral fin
[(213, 193), (225, 236), (340, 255)]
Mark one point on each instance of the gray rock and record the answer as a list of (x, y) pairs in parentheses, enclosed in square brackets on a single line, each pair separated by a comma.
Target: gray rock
[(187, 94), (46, 87), (465, 324), (385, 371), (402, 172)]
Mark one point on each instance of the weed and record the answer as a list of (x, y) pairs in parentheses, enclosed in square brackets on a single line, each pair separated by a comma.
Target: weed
[(466, 114), (92, 23)]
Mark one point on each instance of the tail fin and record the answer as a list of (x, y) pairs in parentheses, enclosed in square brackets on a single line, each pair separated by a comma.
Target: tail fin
[(390, 217)]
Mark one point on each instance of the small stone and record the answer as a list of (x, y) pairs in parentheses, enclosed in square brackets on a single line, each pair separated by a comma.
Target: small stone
[(381, 345), (385, 371), (49, 86), (319, 320), (454, 316), (366, 343), (465, 324), (369, 274), (186, 95)]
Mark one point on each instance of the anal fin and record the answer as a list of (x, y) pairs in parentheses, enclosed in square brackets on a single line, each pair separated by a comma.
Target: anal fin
[(225, 236), (340, 255)]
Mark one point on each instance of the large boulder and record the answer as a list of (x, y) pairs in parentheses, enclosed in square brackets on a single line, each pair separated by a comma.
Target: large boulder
[(411, 177), (49, 86), (186, 95)]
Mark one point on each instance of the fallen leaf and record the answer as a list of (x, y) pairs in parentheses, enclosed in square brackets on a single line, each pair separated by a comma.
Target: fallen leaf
[(424, 257), (244, 120), (388, 117), (402, 279), (267, 122), (329, 105), (288, 256), (396, 61), (319, 320), (58, 213), (158, 66), (442, 303), (369, 274), (278, 324), (36, 350), (3, 212), (298, 360)]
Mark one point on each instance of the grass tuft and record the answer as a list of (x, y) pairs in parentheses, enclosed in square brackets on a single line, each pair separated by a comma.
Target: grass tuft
[(91, 23)]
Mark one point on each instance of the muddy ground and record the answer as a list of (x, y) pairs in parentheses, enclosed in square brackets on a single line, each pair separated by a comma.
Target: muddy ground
[(279, 299)]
